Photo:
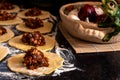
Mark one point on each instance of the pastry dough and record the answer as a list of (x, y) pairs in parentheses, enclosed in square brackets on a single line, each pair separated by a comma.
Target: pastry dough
[(6, 36), (15, 21), (45, 29), (44, 15), (15, 10), (54, 60), (3, 52), (17, 43)]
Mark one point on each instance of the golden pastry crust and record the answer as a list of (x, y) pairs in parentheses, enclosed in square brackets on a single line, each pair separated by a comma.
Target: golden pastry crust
[(44, 15), (47, 26), (15, 64), (3, 52), (17, 43), (6, 36)]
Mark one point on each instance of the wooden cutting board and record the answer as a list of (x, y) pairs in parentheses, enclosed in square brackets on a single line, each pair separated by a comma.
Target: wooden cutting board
[(81, 46)]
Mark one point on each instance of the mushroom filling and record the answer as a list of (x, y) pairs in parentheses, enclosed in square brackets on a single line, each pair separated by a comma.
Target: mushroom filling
[(33, 12), (34, 23), (6, 6), (33, 38), (2, 30), (35, 58), (6, 16)]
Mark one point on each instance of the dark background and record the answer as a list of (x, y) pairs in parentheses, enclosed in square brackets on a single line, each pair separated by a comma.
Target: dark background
[(49, 5)]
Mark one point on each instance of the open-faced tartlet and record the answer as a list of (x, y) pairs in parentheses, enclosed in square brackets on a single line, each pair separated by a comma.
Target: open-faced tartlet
[(87, 30), (9, 18), (10, 8), (34, 62), (5, 34), (33, 13), (32, 39), (3, 52), (31, 25)]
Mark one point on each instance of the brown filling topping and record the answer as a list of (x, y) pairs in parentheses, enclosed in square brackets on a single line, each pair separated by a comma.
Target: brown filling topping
[(33, 38), (2, 30), (33, 12), (6, 6), (35, 58), (34, 23), (6, 16)]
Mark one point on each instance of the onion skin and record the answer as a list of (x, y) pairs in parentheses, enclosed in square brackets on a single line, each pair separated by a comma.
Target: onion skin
[(87, 11)]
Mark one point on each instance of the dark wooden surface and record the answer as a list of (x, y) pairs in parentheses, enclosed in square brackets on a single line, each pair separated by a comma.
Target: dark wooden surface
[(96, 66)]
